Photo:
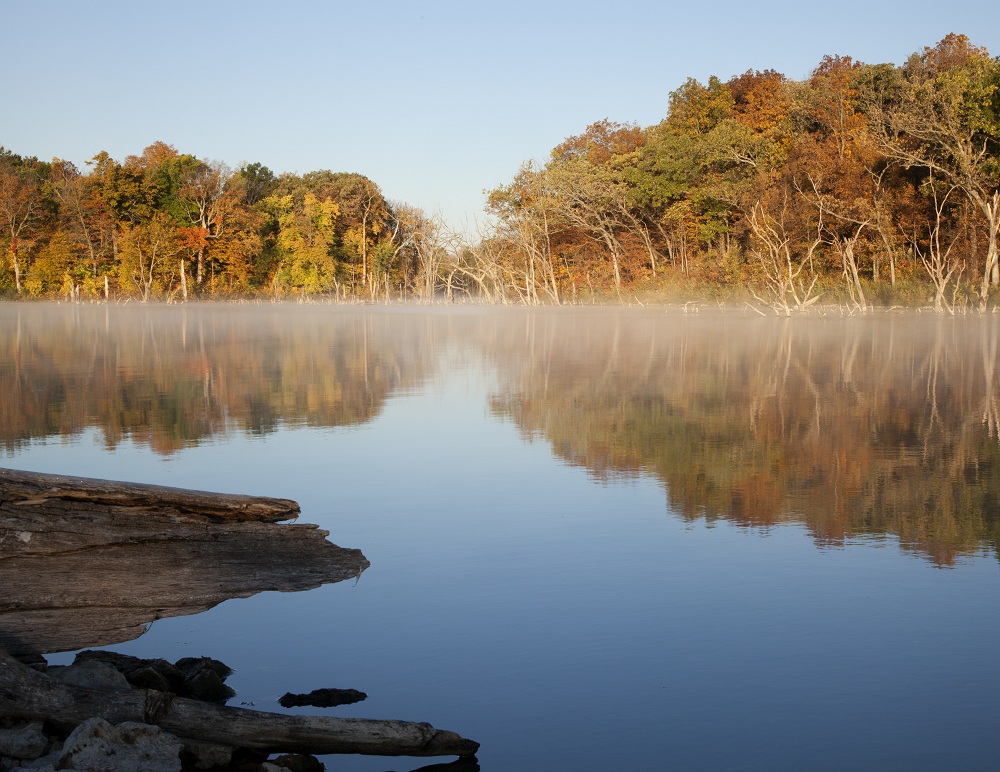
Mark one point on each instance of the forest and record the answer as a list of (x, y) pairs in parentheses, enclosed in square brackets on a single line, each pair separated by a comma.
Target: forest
[(863, 185)]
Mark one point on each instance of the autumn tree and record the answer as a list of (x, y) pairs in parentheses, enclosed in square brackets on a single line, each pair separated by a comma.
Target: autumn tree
[(601, 142), (147, 252), (21, 204), (86, 223), (256, 181), (204, 194), (303, 242), (365, 215), (941, 113), (56, 268)]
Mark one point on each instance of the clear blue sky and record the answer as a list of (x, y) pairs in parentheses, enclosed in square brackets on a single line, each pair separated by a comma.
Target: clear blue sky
[(433, 100)]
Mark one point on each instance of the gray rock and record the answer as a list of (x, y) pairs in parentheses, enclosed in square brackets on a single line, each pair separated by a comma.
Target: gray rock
[(92, 673), (207, 685), (191, 666), (322, 698), (38, 766), (127, 747), (44, 764), (25, 742), (206, 755), (143, 673), (48, 761), (298, 762), (148, 678)]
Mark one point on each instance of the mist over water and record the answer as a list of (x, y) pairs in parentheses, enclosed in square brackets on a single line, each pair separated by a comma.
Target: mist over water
[(600, 538)]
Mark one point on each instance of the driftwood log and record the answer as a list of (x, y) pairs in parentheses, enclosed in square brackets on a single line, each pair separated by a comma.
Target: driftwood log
[(26, 488), (25, 693), (90, 562)]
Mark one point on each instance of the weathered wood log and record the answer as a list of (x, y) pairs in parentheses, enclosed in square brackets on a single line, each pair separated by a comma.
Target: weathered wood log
[(25, 693), (33, 488), (91, 562)]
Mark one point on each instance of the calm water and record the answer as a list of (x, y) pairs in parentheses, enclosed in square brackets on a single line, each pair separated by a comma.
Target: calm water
[(600, 540)]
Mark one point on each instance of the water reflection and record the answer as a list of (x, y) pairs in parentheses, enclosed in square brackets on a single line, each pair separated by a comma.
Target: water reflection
[(856, 427), (170, 378)]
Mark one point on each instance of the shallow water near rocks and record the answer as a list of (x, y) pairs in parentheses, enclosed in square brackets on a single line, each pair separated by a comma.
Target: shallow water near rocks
[(599, 539)]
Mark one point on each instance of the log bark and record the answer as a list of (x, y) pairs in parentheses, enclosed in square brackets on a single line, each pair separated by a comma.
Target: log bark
[(36, 489), (91, 562), (25, 693)]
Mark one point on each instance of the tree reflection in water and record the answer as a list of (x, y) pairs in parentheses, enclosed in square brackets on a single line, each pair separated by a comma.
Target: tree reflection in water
[(857, 427)]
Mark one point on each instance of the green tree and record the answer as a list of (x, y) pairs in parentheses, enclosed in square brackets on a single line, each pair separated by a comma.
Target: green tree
[(304, 242), (256, 180)]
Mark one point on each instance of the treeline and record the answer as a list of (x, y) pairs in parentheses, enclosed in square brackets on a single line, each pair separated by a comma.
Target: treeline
[(168, 226), (861, 184), (864, 182)]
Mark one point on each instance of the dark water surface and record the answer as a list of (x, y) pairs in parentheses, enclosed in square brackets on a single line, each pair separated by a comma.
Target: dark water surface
[(599, 539)]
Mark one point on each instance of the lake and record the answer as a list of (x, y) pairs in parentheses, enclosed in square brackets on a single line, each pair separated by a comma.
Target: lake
[(600, 539)]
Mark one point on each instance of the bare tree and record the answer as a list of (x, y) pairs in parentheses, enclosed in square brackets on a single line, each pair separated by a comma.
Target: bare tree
[(430, 242), (842, 227), (939, 262), (528, 213), (789, 278)]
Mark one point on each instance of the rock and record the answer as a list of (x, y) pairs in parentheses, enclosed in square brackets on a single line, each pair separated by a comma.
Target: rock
[(322, 698), (91, 562), (44, 764), (37, 766), (25, 742), (148, 678), (203, 679), (206, 755), (142, 673), (123, 663), (207, 686), (297, 762), (191, 666), (33, 659), (128, 747), (25, 692), (90, 673)]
